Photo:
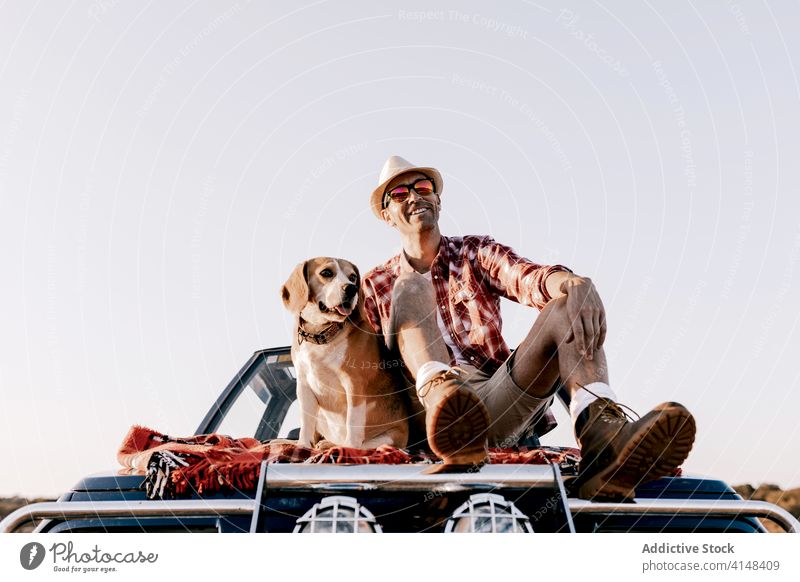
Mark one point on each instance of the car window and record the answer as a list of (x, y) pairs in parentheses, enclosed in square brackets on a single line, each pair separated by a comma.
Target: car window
[(291, 421), (259, 408), (245, 415)]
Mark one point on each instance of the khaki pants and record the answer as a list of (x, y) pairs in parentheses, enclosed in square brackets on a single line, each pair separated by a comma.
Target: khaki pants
[(511, 409)]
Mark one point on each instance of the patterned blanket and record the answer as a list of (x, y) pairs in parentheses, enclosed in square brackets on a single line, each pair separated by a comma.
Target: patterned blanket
[(212, 463)]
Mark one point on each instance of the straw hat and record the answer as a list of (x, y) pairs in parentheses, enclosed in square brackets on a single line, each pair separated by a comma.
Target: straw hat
[(393, 167)]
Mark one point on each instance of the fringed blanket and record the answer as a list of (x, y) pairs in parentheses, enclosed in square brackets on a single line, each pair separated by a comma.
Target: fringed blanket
[(214, 462)]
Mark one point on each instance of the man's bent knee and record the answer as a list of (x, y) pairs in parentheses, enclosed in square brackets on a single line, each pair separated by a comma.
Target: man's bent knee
[(413, 303), (557, 304), (554, 313), (550, 329), (413, 288)]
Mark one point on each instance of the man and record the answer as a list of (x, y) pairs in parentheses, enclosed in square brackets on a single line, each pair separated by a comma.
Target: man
[(438, 303)]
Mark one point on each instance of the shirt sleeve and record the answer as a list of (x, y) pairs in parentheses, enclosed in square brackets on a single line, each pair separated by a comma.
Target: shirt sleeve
[(371, 306), (512, 276)]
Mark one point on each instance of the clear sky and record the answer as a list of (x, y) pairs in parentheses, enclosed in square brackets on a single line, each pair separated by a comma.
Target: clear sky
[(163, 166)]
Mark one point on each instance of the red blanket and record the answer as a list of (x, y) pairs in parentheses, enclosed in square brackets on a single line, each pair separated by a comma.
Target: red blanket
[(215, 462)]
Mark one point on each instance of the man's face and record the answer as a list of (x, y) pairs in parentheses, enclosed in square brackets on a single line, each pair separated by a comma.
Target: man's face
[(418, 213)]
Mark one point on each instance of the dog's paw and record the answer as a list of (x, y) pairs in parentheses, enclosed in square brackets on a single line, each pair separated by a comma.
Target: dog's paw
[(285, 442), (324, 445)]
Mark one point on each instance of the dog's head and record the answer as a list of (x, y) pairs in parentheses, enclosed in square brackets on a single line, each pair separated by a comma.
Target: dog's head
[(323, 290)]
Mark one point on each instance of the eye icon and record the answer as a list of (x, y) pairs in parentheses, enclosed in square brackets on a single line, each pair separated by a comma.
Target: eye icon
[(31, 555)]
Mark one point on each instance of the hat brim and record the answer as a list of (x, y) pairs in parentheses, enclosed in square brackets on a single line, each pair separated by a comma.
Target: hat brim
[(376, 199)]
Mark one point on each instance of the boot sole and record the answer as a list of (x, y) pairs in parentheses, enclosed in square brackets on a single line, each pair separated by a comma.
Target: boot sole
[(458, 429), (655, 451)]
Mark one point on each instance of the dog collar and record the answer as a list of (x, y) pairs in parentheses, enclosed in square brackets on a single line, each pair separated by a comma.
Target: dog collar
[(323, 337)]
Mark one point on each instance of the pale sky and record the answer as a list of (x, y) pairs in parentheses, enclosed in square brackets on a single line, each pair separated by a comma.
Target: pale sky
[(163, 166)]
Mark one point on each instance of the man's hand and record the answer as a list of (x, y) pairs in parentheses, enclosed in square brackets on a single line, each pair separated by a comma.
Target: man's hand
[(586, 313)]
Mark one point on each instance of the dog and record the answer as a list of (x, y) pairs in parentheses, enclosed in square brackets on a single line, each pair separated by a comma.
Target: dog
[(349, 395)]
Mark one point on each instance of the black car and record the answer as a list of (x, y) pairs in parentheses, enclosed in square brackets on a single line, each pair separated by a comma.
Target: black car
[(299, 497)]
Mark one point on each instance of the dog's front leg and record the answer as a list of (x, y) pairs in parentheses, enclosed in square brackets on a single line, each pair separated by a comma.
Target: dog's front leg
[(356, 419), (309, 409)]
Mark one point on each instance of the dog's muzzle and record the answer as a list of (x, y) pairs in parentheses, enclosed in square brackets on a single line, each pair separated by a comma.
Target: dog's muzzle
[(350, 291)]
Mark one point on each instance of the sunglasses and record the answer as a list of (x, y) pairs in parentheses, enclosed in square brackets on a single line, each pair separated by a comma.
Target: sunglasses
[(423, 187)]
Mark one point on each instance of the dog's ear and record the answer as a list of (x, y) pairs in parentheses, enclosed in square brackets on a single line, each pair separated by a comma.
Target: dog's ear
[(295, 291)]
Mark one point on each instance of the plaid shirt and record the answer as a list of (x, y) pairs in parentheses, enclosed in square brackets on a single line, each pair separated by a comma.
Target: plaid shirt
[(470, 274)]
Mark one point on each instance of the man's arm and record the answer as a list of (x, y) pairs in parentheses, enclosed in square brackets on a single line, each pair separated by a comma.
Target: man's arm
[(512, 276), (584, 308), (554, 281), (529, 283)]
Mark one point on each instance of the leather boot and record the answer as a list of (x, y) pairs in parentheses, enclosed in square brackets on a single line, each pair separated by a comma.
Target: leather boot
[(456, 420), (618, 455)]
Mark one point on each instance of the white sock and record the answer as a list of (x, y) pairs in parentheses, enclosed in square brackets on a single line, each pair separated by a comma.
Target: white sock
[(582, 398), (428, 370)]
